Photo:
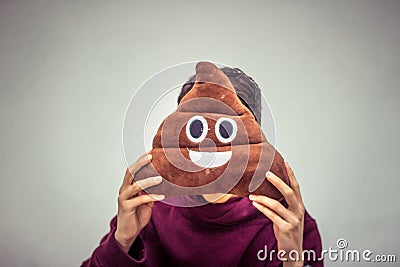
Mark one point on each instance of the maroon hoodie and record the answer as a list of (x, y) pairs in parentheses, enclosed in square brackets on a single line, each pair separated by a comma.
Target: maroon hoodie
[(233, 233)]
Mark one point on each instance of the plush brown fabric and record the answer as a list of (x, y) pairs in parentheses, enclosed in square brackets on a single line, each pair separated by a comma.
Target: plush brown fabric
[(213, 97)]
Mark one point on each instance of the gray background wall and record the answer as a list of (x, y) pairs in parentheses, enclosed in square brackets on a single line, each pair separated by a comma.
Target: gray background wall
[(330, 71)]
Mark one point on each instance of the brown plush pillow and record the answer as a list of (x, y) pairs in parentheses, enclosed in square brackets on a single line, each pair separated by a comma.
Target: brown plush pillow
[(212, 144)]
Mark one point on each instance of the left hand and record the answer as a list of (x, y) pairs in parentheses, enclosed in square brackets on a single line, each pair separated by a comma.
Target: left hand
[(288, 222)]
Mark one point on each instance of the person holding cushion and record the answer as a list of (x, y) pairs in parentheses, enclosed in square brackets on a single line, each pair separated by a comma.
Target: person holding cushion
[(228, 230)]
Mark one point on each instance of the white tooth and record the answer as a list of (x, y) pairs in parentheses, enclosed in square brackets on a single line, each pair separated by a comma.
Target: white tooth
[(210, 159)]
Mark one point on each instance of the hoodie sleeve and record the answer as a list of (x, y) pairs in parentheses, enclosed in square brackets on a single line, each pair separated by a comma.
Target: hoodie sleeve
[(312, 243), (110, 253), (259, 252)]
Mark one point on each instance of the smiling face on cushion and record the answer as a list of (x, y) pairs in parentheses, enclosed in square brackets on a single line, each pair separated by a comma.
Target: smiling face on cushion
[(211, 143)]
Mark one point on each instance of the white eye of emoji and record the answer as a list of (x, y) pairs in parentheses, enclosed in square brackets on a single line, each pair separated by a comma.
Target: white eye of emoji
[(196, 129), (225, 130)]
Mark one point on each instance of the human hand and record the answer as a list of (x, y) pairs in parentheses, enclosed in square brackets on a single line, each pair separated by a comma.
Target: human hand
[(288, 222), (134, 209)]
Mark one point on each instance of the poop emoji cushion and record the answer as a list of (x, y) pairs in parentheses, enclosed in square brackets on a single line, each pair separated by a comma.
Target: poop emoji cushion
[(212, 144)]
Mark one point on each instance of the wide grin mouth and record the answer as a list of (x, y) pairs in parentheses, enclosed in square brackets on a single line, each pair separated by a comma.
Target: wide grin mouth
[(210, 159)]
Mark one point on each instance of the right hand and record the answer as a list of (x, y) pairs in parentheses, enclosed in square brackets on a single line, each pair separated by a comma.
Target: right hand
[(134, 209)]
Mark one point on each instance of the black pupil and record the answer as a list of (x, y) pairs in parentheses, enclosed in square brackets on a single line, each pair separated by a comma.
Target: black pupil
[(225, 129), (196, 128)]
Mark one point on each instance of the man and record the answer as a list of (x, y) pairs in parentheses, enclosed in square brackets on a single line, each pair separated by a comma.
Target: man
[(227, 231)]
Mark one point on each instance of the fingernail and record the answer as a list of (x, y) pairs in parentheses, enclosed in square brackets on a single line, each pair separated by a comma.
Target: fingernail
[(269, 174), (251, 197), (149, 156), (159, 197), (157, 179)]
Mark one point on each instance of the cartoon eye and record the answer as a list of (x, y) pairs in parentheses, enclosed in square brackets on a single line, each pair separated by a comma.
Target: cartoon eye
[(225, 130), (196, 129)]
